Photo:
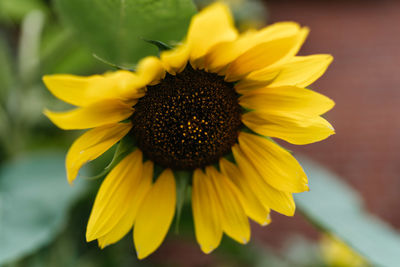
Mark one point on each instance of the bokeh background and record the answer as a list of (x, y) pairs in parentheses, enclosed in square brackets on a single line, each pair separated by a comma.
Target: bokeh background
[(363, 37)]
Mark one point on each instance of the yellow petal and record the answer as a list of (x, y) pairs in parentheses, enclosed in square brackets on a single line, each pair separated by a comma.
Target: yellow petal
[(224, 53), (247, 86), (150, 70), (252, 206), (94, 115), (115, 196), (277, 166), (299, 71), (234, 220), (212, 25), (207, 224), (286, 99), (126, 222), (83, 91), (91, 145), (295, 128), (276, 31), (266, 54), (123, 85), (155, 215), (175, 60), (270, 197), (123, 226)]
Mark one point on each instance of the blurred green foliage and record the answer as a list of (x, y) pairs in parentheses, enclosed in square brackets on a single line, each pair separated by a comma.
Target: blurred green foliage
[(34, 202), (6, 69), (337, 209), (118, 35), (14, 11)]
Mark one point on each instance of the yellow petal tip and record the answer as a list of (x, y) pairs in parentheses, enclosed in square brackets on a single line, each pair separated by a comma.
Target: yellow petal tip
[(46, 79), (291, 213), (49, 114), (207, 250), (140, 255), (267, 220), (46, 112), (90, 236), (102, 245), (70, 179)]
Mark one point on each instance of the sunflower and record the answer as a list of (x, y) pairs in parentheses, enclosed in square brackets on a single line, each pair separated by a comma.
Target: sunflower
[(209, 107)]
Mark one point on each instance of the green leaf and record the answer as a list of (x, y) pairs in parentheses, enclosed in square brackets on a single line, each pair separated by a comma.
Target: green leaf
[(115, 29), (34, 201), (62, 53), (336, 208)]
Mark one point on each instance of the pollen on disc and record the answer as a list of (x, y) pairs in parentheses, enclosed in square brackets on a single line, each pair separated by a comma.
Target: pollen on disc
[(187, 121)]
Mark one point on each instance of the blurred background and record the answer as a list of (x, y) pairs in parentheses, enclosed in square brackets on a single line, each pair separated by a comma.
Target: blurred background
[(43, 220), (364, 38)]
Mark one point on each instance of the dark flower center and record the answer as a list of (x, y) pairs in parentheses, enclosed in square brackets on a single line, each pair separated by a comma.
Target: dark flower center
[(187, 121)]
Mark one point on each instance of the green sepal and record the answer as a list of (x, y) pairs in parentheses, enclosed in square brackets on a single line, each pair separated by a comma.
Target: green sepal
[(246, 110), (157, 171), (124, 147), (230, 158), (118, 67), (160, 45), (183, 180)]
